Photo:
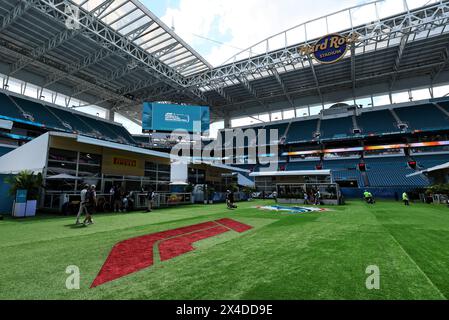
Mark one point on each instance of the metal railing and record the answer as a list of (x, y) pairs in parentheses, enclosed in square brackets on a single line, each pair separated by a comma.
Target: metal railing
[(56, 201)]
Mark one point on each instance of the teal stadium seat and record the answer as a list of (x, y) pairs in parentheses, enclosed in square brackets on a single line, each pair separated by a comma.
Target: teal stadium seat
[(301, 131), (338, 128), (377, 122), (73, 120), (281, 128), (8, 109), (423, 117), (40, 113)]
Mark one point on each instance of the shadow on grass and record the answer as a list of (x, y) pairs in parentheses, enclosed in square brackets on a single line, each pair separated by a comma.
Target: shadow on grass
[(76, 226)]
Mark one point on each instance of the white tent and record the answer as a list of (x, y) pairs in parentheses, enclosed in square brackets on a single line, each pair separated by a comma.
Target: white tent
[(31, 156)]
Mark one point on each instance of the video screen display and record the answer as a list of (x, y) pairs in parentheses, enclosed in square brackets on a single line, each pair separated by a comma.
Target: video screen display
[(171, 117)]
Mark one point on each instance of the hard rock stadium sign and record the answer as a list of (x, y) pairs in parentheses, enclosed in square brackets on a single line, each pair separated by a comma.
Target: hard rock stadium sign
[(330, 48)]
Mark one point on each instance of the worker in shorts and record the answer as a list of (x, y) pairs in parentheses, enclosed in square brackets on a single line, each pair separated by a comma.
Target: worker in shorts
[(83, 204)]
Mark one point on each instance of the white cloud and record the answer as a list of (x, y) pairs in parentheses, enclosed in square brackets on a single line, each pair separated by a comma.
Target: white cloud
[(243, 23)]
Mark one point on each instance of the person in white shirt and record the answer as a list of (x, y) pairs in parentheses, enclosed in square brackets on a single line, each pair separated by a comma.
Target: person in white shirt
[(83, 207)]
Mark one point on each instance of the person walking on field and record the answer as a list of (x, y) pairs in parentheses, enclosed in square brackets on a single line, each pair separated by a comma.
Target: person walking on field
[(151, 195), (91, 200), (117, 198), (317, 198), (83, 204), (406, 199)]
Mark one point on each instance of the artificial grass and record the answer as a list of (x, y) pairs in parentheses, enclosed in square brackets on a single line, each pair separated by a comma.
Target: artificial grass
[(305, 256)]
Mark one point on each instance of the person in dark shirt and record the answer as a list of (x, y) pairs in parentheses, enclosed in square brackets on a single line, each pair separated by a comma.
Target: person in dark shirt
[(91, 203), (151, 195), (117, 196), (230, 200)]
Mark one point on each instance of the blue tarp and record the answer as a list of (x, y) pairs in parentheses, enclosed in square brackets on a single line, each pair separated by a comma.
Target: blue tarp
[(6, 200)]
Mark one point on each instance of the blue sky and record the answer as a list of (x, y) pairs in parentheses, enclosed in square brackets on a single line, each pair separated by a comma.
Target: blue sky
[(159, 7)]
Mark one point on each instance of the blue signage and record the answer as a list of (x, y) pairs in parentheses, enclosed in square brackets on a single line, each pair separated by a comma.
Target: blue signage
[(170, 117), (21, 196), (331, 48)]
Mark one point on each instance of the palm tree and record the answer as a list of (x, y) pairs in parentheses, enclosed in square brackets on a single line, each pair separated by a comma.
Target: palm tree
[(25, 180)]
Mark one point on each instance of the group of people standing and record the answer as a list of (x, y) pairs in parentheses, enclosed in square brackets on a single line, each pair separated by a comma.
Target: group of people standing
[(312, 197), (120, 200)]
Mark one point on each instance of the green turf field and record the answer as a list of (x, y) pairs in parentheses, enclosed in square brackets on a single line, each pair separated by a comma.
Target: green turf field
[(304, 256)]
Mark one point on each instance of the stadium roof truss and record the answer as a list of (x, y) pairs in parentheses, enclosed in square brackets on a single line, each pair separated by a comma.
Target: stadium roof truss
[(117, 54), (399, 47), (108, 52)]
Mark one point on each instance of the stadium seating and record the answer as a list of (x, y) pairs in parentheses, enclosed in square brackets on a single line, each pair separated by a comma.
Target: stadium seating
[(74, 121), (302, 131), (140, 139), (40, 113), (8, 109), (381, 171), (423, 117), (336, 128), (62, 120), (444, 105), (301, 165), (429, 161), (5, 150), (282, 128), (377, 122)]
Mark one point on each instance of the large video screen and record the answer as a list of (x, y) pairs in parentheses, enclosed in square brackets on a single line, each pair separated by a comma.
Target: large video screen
[(172, 117)]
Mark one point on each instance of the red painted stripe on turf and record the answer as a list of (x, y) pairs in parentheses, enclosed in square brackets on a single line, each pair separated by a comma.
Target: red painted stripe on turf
[(234, 225), (171, 248), (134, 254)]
